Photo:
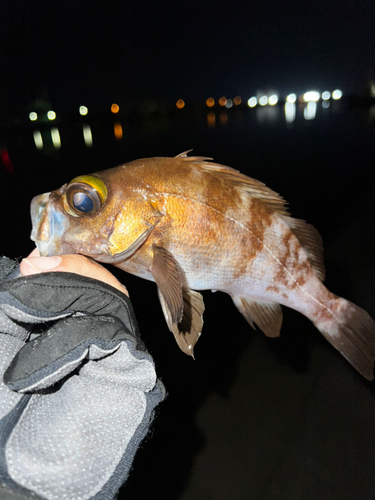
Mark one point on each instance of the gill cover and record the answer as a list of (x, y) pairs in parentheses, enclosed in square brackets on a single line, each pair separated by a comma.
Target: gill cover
[(85, 195)]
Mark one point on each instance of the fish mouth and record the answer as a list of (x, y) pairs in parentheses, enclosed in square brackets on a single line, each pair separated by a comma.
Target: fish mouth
[(48, 226)]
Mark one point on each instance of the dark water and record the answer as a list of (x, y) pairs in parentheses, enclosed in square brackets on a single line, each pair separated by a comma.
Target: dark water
[(251, 418)]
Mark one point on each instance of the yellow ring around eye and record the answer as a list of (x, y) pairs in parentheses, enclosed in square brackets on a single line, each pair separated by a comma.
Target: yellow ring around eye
[(95, 183)]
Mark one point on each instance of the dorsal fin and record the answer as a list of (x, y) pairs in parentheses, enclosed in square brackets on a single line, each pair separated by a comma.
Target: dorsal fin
[(308, 236), (311, 242), (256, 189)]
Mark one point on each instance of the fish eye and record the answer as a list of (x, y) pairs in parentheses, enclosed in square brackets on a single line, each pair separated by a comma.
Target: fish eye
[(83, 202), (86, 195)]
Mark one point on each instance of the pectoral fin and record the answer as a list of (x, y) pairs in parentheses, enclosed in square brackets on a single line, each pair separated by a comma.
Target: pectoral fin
[(189, 329), (267, 316), (169, 279)]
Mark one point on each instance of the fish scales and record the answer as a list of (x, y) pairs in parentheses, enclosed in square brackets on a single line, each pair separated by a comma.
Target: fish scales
[(190, 224)]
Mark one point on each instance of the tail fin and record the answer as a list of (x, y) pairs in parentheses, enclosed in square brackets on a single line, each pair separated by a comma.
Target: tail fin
[(352, 332)]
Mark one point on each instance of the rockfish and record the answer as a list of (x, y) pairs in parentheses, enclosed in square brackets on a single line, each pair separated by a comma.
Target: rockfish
[(190, 224)]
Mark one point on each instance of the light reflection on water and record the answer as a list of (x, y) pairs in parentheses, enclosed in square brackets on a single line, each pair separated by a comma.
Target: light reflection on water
[(264, 115), (87, 135), (290, 112), (309, 112)]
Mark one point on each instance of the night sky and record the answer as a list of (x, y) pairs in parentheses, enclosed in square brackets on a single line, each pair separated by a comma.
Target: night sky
[(95, 53)]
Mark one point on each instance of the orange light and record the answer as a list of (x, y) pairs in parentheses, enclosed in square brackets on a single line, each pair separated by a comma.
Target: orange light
[(115, 108), (222, 101), (210, 102), (237, 100), (211, 119), (118, 130), (180, 104)]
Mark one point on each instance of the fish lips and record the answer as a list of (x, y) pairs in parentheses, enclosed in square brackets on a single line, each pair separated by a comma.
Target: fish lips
[(48, 226)]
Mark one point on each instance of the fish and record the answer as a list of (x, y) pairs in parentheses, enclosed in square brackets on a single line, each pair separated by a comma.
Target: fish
[(190, 224)]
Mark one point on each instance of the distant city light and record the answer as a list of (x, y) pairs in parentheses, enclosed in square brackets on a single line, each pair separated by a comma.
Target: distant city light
[(326, 95), (252, 102), (291, 98), (117, 128), (51, 115), (56, 140), (87, 135), (263, 100), (210, 102), (211, 119), (222, 101), (290, 111), (336, 94), (83, 110), (309, 112), (229, 103), (38, 139), (180, 104), (237, 100), (273, 99), (311, 96), (115, 108), (33, 116)]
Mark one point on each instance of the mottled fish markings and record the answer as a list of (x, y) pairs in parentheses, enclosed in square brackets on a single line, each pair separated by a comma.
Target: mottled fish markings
[(190, 224)]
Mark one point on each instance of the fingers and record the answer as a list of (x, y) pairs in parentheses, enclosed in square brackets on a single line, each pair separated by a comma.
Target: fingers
[(78, 264)]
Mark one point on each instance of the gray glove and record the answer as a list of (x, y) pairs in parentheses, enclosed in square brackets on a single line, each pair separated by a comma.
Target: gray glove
[(76, 400)]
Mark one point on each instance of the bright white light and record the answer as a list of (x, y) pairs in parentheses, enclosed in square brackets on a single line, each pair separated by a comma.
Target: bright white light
[(252, 102), (336, 94), (229, 103), (312, 95), (290, 112), (309, 112), (51, 115), (38, 139), (33, 116), (326, 95), (83, 110), (87, 135), (263, 100), (56, 140), (291, 98), (272, 100)]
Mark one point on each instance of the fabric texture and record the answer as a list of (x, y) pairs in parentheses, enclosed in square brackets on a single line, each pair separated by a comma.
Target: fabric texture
[(77, 399)]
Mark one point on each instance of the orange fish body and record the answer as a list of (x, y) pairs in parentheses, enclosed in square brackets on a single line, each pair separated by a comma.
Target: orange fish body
[(189, 224)]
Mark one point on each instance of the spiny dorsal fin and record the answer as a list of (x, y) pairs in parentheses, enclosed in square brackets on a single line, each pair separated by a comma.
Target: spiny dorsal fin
[(268, 316), (311, 242), (308, 236), (254, 188)]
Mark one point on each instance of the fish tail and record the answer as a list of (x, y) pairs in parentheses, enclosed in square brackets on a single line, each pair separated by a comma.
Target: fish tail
[(351, 330)]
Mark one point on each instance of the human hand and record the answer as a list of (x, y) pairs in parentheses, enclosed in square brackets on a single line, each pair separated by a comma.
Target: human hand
[(76, 400), (78, 264)]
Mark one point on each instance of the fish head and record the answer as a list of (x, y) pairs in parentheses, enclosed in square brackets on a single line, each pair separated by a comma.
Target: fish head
[(98, 215)]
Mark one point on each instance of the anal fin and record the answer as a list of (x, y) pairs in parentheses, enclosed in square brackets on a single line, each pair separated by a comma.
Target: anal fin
[(268, 316)]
